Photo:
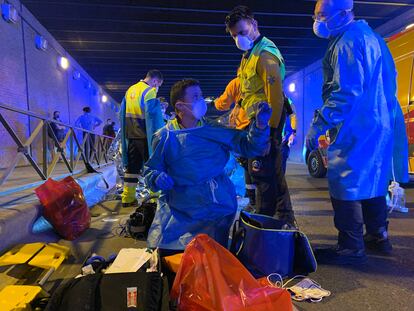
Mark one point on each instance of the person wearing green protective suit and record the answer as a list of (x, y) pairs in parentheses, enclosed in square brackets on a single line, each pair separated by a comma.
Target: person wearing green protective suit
[(360, 105), (187, 166)]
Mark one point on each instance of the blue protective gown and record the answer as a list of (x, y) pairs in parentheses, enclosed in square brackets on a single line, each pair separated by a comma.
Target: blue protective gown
[(359, 95), (153, 120), (203, 199), (235, 172)]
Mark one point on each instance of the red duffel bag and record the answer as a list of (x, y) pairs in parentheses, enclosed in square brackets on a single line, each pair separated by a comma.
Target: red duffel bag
[(64, 206)]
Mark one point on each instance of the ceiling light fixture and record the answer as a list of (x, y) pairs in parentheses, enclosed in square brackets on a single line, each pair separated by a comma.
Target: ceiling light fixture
[(41, 43), (76, 75), (63, 62), (9, 13)]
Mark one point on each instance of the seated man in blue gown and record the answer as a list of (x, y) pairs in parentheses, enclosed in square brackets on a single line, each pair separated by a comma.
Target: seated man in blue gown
[(187, 166)]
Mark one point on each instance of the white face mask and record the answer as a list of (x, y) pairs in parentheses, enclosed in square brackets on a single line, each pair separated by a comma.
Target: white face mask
[(244, 43), (308, 289), (322, 30), (198, 108)]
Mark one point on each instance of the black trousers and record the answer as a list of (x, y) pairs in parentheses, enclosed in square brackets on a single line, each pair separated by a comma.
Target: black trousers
[(350, 217), (285, 155), (89, 146), (272, 193), (137, 155)]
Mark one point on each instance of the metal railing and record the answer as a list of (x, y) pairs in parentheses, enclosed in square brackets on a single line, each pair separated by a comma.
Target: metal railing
[(92, 149)]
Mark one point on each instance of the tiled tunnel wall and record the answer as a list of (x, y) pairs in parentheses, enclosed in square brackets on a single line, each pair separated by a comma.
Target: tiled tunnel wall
[(31, 79)]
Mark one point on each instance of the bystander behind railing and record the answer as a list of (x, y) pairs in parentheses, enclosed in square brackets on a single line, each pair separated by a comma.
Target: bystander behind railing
[(78, 148)]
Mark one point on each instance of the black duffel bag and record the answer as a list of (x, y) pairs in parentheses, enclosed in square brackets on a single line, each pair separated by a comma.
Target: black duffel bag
[(142, 291)]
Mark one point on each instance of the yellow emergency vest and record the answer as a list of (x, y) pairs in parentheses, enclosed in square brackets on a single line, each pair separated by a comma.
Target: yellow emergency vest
[(135, 98), (252, 86), (174, 125)]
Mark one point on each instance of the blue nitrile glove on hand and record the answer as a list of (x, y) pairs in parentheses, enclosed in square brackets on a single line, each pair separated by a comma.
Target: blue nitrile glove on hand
[(263, 114), (164, 182)]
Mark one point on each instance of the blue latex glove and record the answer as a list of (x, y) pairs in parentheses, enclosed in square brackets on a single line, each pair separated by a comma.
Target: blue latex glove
[(164, 182), (263, 114), (312, 138)]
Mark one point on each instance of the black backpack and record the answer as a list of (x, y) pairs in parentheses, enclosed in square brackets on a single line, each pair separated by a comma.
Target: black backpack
[(140, 221)]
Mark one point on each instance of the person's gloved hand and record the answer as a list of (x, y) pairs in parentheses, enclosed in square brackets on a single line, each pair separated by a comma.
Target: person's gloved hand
[(291, 140), (263, 114), (164, 182), (312, 138), (234, 114)]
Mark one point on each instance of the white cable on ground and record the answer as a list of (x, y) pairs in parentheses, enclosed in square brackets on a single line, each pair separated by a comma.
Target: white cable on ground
[(311, 290)]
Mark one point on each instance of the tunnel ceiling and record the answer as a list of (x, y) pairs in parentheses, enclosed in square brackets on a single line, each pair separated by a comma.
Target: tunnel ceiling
[(118, 41)]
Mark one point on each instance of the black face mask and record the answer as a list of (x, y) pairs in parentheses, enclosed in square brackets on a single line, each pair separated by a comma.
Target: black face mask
[(57, 117)]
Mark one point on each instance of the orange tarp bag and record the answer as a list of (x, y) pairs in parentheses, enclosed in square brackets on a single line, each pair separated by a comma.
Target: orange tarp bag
[(211, 278)]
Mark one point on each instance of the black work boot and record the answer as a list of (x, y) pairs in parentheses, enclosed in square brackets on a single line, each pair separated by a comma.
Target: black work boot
[(291, 225), (288, 217), (290, 222), (378, 242), (340, 256)]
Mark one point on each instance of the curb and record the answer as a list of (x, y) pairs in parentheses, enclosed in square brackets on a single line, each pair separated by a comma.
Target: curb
[(21, 222)]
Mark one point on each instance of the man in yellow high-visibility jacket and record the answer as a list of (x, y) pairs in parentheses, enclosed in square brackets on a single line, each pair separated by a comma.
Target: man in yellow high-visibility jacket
[(261, 74), (134, 131)]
